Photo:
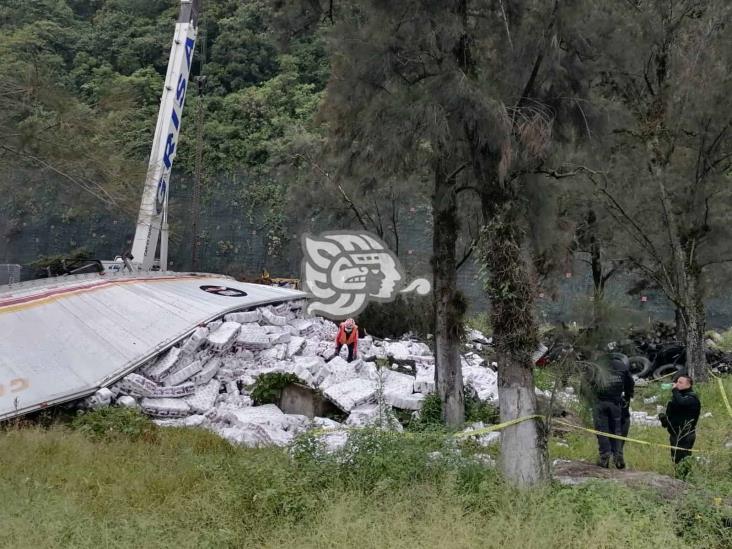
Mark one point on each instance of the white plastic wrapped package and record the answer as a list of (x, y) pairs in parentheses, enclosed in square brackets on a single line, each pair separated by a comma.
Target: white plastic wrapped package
[(275, 353), (178, 377), (101, 399), (223, 338), (295, 345), (349, 394), (194, 342), (204, 398), (280, 337), (175, 391), (164, 365), (244, 317), (270, 318), (137, 385), (165, 407), (207, 373), (127, 402)]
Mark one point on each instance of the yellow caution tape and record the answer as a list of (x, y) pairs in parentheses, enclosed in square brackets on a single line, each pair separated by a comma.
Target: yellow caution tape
[(626, 439), (496, 427), (724, 396)]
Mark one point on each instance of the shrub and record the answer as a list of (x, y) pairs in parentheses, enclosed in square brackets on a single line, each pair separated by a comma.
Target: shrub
[(268, 387), (114, 422)]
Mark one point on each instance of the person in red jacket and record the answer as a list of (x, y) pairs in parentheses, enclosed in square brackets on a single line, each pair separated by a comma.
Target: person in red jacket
[(348, 335)]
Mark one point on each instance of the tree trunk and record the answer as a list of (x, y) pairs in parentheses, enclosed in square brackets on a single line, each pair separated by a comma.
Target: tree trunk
[(687, 276), (523, 446), (449, 304), (694, 321)]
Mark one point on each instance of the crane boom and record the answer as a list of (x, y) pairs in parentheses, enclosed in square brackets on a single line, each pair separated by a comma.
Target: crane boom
[(152, 218)]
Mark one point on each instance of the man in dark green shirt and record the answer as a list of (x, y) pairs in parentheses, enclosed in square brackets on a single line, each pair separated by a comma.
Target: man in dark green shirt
[(682, 414)]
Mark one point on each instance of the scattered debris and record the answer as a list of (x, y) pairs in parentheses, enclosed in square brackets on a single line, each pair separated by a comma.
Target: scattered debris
[(206, 381)]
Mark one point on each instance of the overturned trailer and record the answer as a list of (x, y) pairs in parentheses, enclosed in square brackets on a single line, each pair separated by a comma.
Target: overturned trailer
[(62, 339)]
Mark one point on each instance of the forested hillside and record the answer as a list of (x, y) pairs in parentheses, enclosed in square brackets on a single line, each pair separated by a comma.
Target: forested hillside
[(80, 95)]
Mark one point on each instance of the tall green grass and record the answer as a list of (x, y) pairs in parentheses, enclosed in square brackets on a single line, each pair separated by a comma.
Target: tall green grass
[(105, 484)]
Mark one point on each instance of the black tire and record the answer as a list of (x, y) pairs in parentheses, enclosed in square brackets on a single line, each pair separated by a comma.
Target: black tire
[(665, 370), (640, 366)]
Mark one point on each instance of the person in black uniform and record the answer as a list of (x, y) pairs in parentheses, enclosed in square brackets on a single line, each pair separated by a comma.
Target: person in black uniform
[(682, 414), (612, 391)]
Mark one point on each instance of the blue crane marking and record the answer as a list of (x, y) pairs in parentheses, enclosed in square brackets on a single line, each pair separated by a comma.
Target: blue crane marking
[(180, 96)]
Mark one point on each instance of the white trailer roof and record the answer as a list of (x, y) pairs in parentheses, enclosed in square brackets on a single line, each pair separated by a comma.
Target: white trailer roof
[(63, 338)]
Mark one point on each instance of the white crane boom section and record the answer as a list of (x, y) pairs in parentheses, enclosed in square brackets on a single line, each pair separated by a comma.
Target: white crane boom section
[(153, 208)]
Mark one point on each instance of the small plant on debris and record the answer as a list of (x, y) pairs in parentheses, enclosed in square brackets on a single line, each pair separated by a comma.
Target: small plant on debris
[(430, 415), (268, 387), (114, 422)]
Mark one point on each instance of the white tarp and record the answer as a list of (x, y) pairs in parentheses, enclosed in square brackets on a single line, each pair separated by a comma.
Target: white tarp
[(63, 338)]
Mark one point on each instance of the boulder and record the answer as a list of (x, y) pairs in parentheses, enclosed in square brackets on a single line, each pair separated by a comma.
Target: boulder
[(368, 415)]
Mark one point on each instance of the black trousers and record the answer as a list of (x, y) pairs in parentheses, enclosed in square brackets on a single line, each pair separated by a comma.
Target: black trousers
[(624, 426), (607, 419), (682, 441), (350, 350)]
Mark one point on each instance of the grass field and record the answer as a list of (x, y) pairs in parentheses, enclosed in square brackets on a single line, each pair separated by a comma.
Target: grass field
[(114, 480)]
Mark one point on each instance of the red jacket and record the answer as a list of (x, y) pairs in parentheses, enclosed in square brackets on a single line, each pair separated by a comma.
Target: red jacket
[(346, 338)]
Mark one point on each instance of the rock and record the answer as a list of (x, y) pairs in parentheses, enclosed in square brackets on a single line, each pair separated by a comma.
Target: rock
[(349, 394), (728, 445), (244, 317), (164, 365), (176, 391), (165, 407), (707, 415), (127, 402), (325, 423), (311, 363), (179, 376), (651, 400), (270, 318), (261, 425), (223, 338), (577, 472), (194, 342), (204, 398), (419, 349)]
